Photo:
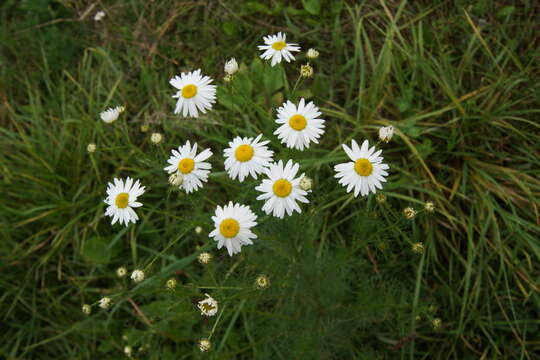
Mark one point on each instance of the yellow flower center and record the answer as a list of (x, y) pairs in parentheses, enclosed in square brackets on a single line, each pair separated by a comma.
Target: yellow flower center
[(185, 166), (121, 200), (278, 45), (189, 91), (243, 153), (363, 167), (207, 307), (229, 228), (297, 122), (282, 188)]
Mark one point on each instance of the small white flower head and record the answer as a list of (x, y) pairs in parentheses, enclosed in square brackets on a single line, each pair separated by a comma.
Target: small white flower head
[(128, 350), (365, 172), (312, 54), (137, 276), (306, 71), (436, 323), (194, 93), (262, 282), (409, 213), (171, 284), (233, 223), (86, 309), (122, 198), (306, 183), (105, 302), (208, 306), (247, 156), (386, 133), (156, 138), (228, 78), (121, 272), (111, 114), (99, 15), (205, 258), (417, 248), (275, 47), (282, 189), (231, 67), (381, 198), (176, 179), (198, 230), (429, 206), (204, 345), (91, 148), (300, 124), (192, 166)]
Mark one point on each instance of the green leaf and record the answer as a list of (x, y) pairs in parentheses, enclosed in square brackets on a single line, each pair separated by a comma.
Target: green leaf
[(98, 250), (273, 79), (506, 11), (312, 6), (229, 28)]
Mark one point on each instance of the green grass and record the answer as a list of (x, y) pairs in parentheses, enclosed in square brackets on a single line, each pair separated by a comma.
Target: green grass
[(457, 79)]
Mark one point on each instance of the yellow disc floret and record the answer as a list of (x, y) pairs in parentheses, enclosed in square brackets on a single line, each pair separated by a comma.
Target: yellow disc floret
[(189, 91), (298, 122), (278, 45), (229, 228), (185, 166), (363, 167), (282, 188), (243, 153), (122, 200)]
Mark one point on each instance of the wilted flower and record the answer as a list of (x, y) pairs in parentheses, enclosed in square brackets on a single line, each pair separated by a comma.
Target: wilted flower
[(145, 128), (409, 213), (436, 323), (99, 15), (176, 179), (231, 66), (128, 350), (204, 345), (86, 309), (156, 138), (205, 258), (381, 198), (429, 206), (386, 133), (171, 284), (418, 248), (262, 282), (105, 302), (306, 183), (91, 148), (137, 276), (208, 306), (121, 272), (312, 54), (306, 70)]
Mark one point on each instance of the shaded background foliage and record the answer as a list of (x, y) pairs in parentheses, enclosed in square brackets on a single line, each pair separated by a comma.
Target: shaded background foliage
[(458, 80)]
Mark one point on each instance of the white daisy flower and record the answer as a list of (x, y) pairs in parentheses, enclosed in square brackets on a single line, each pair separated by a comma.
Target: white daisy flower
[(365, 172), (208, 306), (192, 167), (276, 48), (122, 198), (233, 223), (247, 156), (300, 125), (282, 189), (111, 114), (194, 93)]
